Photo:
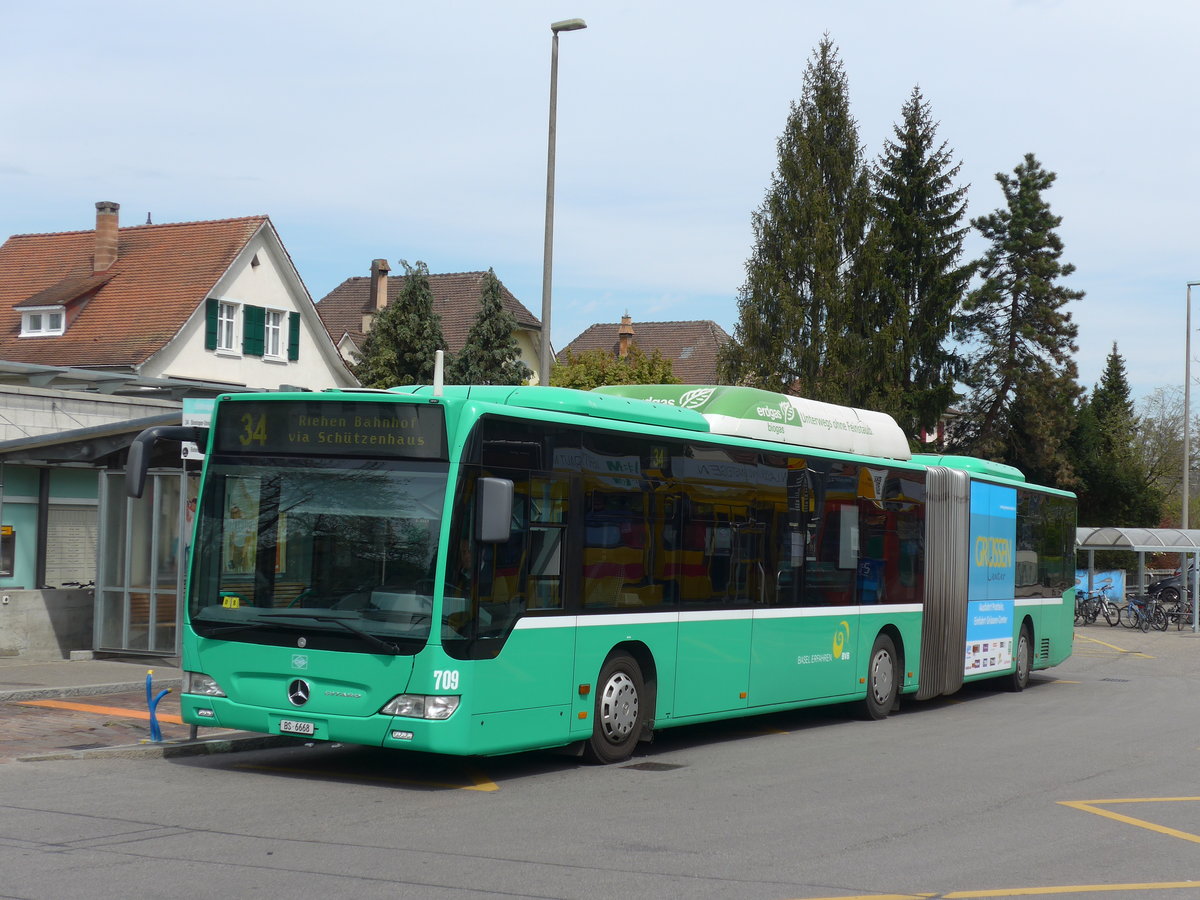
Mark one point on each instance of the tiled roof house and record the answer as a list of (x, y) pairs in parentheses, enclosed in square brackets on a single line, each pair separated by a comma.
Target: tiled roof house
[(348, 309), (690, 346), (217, 301)]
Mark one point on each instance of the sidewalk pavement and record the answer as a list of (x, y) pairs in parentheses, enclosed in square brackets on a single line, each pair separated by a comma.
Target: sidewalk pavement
[(22, 679), (70, 708)]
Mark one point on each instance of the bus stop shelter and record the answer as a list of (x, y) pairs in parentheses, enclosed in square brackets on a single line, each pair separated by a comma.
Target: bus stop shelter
[(1185, 542)]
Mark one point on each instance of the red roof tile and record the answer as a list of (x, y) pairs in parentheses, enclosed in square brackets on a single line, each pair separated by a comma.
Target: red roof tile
[(161, 275), (456, 299), (691, 346)]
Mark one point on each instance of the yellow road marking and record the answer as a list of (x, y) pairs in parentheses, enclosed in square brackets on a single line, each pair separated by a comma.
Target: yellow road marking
[(1029, 891), (1053, 890), (1084, 637), (101, 710), (1092, 806), (479, 781)]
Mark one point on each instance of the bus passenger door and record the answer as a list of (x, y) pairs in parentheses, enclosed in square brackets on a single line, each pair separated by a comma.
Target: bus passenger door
[(713, 664), (801, 641)]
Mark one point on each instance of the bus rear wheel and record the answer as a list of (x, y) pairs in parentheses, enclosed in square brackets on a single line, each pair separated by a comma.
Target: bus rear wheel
[(883, 682), (619, 712)]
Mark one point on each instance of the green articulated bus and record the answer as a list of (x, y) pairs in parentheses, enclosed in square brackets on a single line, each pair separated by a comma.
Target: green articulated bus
[(483, 570)]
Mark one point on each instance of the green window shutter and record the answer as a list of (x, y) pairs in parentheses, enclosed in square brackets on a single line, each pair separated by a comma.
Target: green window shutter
[(293, 336), (253, 323), (210, 323)]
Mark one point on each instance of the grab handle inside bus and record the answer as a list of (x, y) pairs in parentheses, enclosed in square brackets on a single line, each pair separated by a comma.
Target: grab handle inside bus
[(493, 510), (139, 451)]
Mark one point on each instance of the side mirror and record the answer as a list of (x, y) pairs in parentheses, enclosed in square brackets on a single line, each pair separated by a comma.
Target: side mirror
[(139, 451), (493, 510)]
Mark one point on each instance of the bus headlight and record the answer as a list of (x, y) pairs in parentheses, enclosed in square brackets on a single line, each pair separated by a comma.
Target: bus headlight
[(199, 683), (422, 706)]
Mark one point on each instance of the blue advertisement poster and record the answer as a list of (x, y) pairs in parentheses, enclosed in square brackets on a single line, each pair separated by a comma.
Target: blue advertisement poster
[(992, 579), (1111, 582)]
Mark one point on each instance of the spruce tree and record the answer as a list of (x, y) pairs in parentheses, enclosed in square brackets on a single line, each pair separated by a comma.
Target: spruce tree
[(918, 240), (1022, 374), (406, 333), (803, 325), (491, 354), (1117, 484)]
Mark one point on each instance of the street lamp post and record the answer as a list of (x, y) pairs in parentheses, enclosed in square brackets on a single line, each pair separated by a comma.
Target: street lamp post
[(548, 252), (1187, 406)]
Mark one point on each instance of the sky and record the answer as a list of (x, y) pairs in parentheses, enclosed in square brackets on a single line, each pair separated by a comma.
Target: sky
[(418, 131)]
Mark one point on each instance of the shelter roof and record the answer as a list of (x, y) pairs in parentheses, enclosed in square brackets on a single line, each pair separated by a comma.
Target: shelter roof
[(1175, 540)]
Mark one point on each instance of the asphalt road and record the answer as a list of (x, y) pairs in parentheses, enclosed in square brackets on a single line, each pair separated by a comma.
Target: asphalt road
[(1085, 785)]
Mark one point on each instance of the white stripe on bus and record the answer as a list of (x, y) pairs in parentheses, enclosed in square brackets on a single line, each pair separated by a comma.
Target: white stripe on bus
[(710, 615)]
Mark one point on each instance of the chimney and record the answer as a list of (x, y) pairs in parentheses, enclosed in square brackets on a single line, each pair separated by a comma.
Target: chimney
[(378, 297), (624, 336), (379, 277), (106, 235)]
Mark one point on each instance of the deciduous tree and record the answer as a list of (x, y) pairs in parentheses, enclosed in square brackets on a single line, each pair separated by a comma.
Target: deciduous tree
[(596, 368)]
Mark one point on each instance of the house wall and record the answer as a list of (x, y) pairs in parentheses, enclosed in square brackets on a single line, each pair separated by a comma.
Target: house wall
[(270, 285), (531, 350), (72, 554)]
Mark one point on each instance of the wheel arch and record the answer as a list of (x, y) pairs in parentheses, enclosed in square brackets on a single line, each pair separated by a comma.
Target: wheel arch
[(645, 659), (898, 642), (1027, 623)]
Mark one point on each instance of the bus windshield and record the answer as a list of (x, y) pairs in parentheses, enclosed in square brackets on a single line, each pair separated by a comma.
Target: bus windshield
[(340, 550)]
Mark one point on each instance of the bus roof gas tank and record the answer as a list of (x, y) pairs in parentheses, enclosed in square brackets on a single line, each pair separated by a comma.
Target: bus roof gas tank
[(766, 416)]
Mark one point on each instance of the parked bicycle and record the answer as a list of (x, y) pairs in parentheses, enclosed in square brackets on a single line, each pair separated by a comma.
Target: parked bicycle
[(1144, 613), (1090, 605), (1179, 613)]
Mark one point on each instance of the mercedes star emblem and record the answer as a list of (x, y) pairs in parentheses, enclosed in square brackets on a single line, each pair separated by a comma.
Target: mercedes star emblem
[(298, 692)]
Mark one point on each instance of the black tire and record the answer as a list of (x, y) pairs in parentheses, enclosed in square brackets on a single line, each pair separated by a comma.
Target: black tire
[(1169, 596), (619, 713), (1023, 662), (1129, 615), (1112, 613), (1158, 619), (883, 682)]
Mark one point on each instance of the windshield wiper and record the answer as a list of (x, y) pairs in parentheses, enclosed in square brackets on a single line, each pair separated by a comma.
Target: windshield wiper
[(228, 629), (377, 642)]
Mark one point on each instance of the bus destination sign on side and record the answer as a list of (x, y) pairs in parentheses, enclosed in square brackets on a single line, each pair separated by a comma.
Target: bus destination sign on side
[(332, 428)]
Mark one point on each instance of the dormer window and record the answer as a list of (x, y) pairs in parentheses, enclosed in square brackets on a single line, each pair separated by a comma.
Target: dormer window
[(43, 321)]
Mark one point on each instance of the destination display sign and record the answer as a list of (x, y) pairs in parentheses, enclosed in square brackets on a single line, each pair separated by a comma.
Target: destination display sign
[(332, 428)]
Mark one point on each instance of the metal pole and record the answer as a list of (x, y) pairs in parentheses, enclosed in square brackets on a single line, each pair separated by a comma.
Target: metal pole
[(548, 247), (1187, 408)]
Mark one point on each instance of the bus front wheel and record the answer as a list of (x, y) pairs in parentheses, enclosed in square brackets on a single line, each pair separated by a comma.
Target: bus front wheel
[(883, 681), (619, 712)]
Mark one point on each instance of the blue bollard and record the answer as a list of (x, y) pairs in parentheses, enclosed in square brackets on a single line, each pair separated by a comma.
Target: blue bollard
[(155, 731)]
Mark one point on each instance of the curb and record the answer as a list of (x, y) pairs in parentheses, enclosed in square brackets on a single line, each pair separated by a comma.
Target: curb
[(86, 690), (238, 743)]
